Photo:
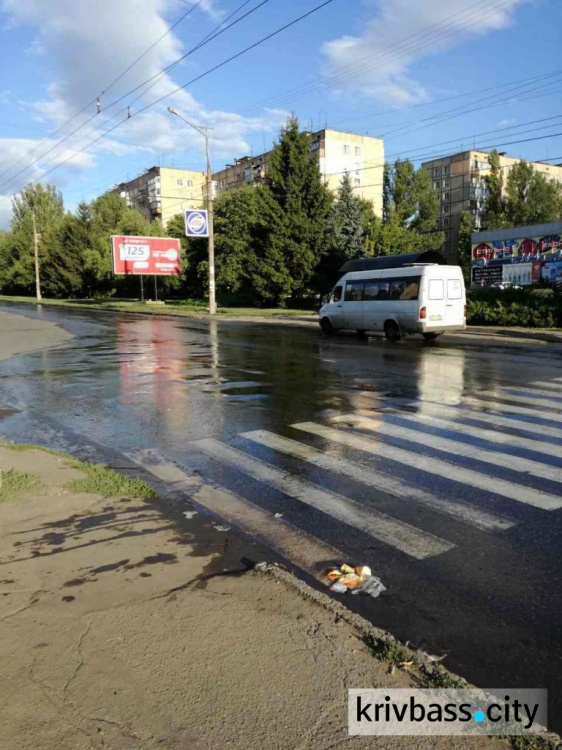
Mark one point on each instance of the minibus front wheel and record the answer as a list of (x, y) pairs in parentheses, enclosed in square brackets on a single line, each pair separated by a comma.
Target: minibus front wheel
[(327, 327), (392, 331)]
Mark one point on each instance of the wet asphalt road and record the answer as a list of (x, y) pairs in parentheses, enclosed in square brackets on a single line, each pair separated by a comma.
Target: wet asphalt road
[(450, 489)]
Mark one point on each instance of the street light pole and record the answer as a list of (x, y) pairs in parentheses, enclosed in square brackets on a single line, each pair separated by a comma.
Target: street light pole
[(36, 256), (204, 131)]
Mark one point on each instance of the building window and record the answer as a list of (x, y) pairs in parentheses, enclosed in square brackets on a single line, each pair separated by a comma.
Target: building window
[(357, 151), (346, 150), (445, 209), (445, 171), (445, 183), (446, 221), (179, 182), (446, 196), (190, 183), (357, 182), (437, 172), (436, 185)]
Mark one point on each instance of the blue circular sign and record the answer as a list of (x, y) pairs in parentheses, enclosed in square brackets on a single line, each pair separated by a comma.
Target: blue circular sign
[(196, 223)]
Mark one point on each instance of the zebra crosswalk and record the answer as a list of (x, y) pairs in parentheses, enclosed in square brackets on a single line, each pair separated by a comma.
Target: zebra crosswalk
[(514, 466)]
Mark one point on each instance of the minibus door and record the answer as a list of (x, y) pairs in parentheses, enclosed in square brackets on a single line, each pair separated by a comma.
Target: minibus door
[(352, 310)]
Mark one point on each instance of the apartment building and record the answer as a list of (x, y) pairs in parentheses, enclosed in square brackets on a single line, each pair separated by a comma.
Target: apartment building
[(460, 180), (337, 152), (161, 193)]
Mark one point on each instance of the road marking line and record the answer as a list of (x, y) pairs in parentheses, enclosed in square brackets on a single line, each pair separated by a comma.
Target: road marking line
[(512, 409), (537, 392), (302, 549), (455, 446), (408, 539), (481, 416), (522, 399), (464, 512), (556, 387), (513, 491), (548, 449)]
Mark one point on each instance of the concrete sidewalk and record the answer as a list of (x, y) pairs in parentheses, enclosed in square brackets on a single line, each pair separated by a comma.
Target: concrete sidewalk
[(119, 631)]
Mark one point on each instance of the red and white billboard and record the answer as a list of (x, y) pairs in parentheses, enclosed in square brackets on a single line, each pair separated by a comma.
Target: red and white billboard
[(147, 256)]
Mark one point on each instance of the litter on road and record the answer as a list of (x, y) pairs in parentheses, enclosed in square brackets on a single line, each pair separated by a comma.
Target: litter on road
[(357, 580)]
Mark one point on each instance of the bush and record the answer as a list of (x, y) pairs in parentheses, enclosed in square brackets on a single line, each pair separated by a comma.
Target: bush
[(526, 308)]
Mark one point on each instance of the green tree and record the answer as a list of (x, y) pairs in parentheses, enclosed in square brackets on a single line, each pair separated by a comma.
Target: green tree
[(346, 222), (495, 204), (465, 244), (410, 211), (530, 197), (294, 206), (45, 205)]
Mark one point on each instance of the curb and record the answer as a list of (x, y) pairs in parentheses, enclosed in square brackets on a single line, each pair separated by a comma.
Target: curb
[(385, 647)]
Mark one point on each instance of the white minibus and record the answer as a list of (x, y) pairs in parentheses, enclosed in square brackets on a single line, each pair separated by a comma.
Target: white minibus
[(426, 298)]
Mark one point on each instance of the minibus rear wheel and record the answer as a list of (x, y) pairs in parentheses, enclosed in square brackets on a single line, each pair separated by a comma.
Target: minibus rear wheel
[(430, 336), (327, 327), (391, 331)]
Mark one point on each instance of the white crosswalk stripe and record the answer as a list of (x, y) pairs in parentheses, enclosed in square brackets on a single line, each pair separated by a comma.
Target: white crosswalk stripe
[(296, 545), (553, 388), (494, 436), (523, 399), (456, 447), (513, 409), (408, 539), (441, 410), (464, 512), (511, 490), (535, 392)]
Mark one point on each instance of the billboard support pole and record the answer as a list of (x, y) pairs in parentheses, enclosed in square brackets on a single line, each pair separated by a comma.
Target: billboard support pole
[(156, 288), (141, 289)]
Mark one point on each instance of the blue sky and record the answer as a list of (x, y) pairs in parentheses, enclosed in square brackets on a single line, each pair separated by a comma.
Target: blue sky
[(407, 70)]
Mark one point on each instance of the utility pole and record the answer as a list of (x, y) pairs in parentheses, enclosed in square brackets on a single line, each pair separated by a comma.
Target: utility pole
[(36, 254), (204, 131), (210, 208)]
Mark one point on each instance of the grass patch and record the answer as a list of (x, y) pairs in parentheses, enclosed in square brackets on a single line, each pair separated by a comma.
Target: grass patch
[(15, 483), (108, 483), (183, 309), (99, 480), (386, 650)]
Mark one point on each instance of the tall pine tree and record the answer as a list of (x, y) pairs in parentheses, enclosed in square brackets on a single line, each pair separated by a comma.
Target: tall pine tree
[(295, 207)]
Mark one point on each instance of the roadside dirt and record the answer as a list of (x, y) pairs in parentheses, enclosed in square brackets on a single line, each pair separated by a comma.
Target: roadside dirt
[(112, 636)]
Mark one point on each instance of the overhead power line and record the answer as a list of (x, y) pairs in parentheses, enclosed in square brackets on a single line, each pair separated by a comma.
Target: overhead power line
[(107, 88), (199, 45), (220, 65), (430, 35)]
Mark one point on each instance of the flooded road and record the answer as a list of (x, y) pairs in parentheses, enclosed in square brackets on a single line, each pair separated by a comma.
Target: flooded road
[(439, 465)]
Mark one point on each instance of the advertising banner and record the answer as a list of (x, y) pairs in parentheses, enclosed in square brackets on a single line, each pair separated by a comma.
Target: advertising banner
[(520, 274), (487, 275), (552, 272), (515, 248), (147, 256)]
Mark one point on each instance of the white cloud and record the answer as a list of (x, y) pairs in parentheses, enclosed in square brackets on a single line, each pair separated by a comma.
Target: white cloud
[(377, 63), (85, 46), (5, 96), (507, 122)]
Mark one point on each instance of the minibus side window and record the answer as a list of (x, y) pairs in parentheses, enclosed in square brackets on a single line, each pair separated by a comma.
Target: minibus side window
[(376, 290), (336, 294), (454, 289), (354, 291), (406, 288), (436, 289)]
